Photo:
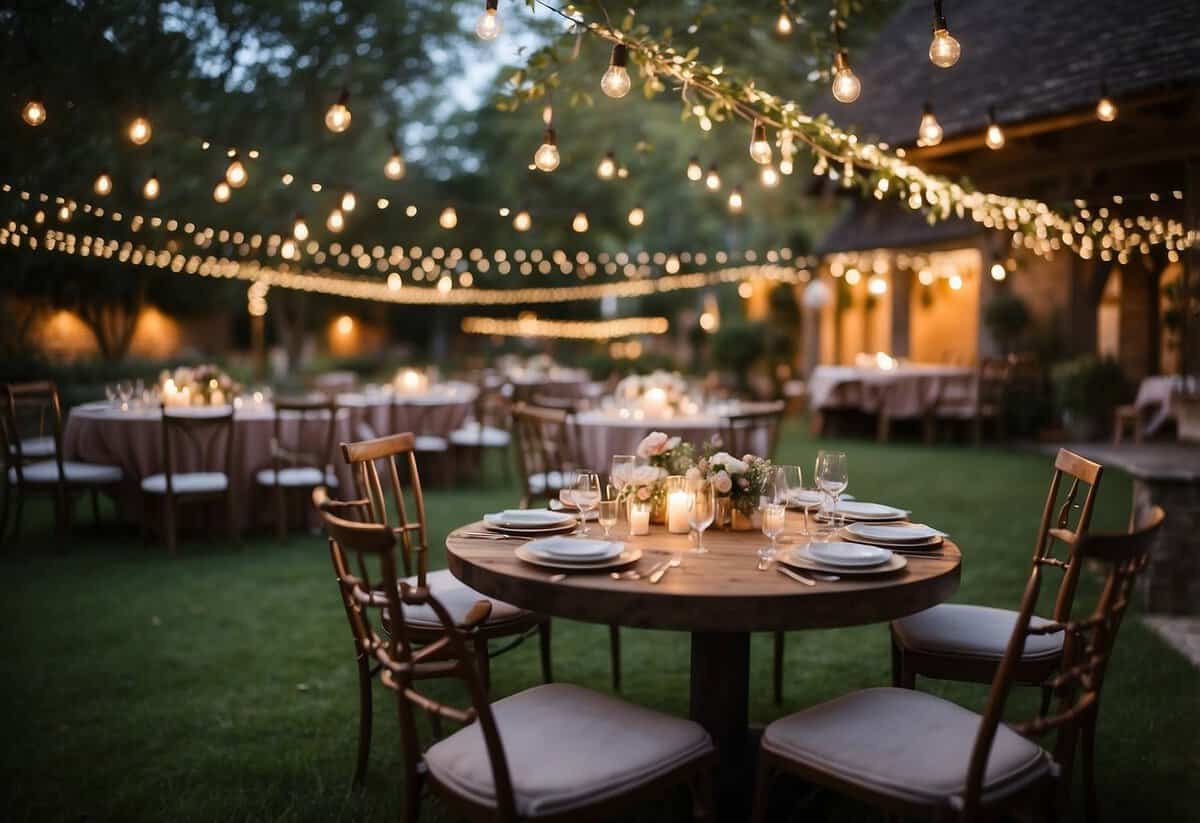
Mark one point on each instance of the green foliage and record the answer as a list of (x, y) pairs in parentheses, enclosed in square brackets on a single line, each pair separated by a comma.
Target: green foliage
[(1006, 317), (737, 345), (1087, 389)]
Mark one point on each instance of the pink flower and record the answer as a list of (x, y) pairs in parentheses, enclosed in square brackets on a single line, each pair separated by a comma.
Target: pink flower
[(722, 482), (748, 458), (693, 475), (653, 444), (644, 493), (743, 483)]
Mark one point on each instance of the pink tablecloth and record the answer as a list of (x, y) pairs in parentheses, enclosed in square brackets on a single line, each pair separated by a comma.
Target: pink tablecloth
[(97, 433), (602, 434), (905, 391), (436, 412)]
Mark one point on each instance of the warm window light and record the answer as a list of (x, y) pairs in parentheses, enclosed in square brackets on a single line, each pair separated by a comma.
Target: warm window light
[(337, 117), (999, 272), (735, 200), (1106, 109), (151, 189), (995, 136), (760, 148), (393, 169), (345, 325), (222, 192), (349, 201), (769, 177), (929, 133), (140, 131), (546, 158), (608, 167), (783, 25), (846, 85), (103, 185), (637, 216), (713, 178), (448, 219), (944, 50), (488, 27), (522, 221), (616, 82), (300, 228), (236, 174), (580, 223), (695, 172), (34, 112), (336, 221)]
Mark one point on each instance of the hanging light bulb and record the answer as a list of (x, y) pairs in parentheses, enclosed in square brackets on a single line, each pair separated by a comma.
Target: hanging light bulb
[(300, 228), (236, 174), (769, 177), (616, 82), (34, 112), (151, 188), (393, 169), (488, 27), (287, 249), (349, 201), (821, 166), (140, 131), (546, 158), (522, 221), (103, 185), (580, 223), (944, 50), (787, 151), (64, 214), (448, 219), (995, 137), (1106, 109), (637, 216), (695, 172), (929, 133), (608, 167), (735, 200), (783, 25), (338, 117), (713, 179), (336, 221), (846, 85), (222, 192), (760, 149)]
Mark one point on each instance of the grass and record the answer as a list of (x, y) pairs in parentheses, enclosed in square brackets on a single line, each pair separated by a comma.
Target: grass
[(220, 685)]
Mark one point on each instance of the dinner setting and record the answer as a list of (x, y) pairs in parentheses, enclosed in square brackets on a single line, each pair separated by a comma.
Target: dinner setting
[(479, 410)]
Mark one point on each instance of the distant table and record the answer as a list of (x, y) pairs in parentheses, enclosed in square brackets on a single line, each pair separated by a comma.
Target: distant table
[(605, 433), (436, 411), (906, 390), (720, 598)]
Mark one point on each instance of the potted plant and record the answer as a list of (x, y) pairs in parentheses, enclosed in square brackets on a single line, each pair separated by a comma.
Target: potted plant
[(1086, 391)]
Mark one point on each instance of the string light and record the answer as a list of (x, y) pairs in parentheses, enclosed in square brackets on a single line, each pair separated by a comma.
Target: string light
[(735, 200), (783, 24), (529, 325), (695, 172), (150, 189), (1106, 109), (336, 221), (713, 179), (877, 286), (300, 228), (637, 216), (349, 202), (999, 272), (393, 169), (944, 50), (846, 85), (608, 166), (769, 177), (580, 223), (546, 158), (522, 221), (222, 192), (394, 282), (448, 219), (338, 116), (488, 26), (103, 185), (34, 112), (140, 131), (760, 149), (929, 133), (236, 174), (615, 82), (995, 136)]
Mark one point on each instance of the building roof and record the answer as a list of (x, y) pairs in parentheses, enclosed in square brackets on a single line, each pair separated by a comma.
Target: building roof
[(871, 224), (1029, 58)]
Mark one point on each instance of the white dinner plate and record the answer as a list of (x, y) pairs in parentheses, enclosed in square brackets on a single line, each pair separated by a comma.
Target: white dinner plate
[(623, 559), (528, 519), (801, 559), (876, 512), (893, 533), (852, 555), (558, 506), (574, 549)]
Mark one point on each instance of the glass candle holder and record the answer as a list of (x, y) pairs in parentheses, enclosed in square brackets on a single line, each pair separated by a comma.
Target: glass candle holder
[(679, 503), (639, 517)]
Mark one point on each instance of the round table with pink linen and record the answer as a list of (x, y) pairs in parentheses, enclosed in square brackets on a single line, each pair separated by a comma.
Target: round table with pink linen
[(432, 412), (603, 433)]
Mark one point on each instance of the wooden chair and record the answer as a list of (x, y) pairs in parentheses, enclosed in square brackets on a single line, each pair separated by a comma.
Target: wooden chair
[(918, 755), (974, 398), (29, 472), (740, 432), (206, 436), (299, 468), (489, 428), (433, 449), (966, 643), (553, 752)]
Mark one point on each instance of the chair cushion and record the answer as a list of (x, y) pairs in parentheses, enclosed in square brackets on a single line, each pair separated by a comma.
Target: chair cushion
[(46, 471), (429, 443), (34, 447), (186, 483), (458, 598), (475, 435), (537, 482), (298, 476), (567, 747), (972, 631), (902, 743)]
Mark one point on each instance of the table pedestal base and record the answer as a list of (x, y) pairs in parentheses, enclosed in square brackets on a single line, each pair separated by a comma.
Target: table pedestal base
[(720, 702)]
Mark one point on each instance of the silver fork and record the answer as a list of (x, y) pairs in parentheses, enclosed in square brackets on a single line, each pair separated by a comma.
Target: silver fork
[(676, 560)]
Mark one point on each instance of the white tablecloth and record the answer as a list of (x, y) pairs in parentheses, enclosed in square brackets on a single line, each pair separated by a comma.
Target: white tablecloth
[(1156, 395), (902, 392)]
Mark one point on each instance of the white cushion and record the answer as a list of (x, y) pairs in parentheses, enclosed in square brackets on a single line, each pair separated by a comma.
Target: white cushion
[(537, 482), (458, 598), (567, 747), (475, 435), (297, 476), (973, 631), (33, 447), (46, 471), (429, 443), (186, 483), (902, 743)]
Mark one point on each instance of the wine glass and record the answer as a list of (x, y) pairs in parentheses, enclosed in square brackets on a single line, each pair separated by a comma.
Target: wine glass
[(702, 509), (774, 516), (608, 515), (789, 479), (832, 477), (621, 470), (586, 495)]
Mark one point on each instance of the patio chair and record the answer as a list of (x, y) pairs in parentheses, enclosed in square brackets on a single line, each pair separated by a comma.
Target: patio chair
[(973, 398), (488, 428), (962, 642), (43, 469), (418, 418), (742, 432), (553, 752), (915, 754), (199, 437), (301, 454)]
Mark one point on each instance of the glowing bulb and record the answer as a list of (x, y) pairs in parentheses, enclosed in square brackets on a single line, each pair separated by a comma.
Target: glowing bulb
[(943, 49), (580, 223), (546, 157), (853, 276), (336, 221), (140, 131), (637, 216), (151, 188), (34, 113), (448, 219), (929, 133), (713, 179), (393, 169), (236, 174), (300, 228), (345, 324), (349, 201), (445, 284), (877, 286), (694, 171), (786, 166), (846, 85), (103, 185), (522, 221), (488, 27), (222, 192), (608, 167), (337, 118), (1106, 109), (287, 249), (995, 137), (735, 200), (64, 214), (616, 82), (760, 149), (783, 26), (999, 272), (394, 283), (956, 282), (769, 177)]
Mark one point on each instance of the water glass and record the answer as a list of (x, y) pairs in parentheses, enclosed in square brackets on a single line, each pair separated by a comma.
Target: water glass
[(702, 509), (832, 476), (608, 515), (774, 516), (586, 495)]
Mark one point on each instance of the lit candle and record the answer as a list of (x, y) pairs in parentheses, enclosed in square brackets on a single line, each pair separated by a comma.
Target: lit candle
[(678, 505), (217, 398), (639, 518)]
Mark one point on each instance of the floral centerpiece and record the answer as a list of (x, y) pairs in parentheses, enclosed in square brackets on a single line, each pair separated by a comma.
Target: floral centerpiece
[(204, 385), (658, 394), (740, 482)]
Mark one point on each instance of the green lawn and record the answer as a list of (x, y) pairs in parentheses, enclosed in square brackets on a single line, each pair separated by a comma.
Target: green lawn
[(220, 685)]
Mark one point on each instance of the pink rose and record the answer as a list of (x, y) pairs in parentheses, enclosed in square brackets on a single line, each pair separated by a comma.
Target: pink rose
[(653, 444), (644, 493), (722, 482), (748, 458), (693, 475)]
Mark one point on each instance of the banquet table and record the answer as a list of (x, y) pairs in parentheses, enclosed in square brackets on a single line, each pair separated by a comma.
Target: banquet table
[(435, 411), (1156, 399), (903, 391), (602, 433), (720, 598), (132, 439)]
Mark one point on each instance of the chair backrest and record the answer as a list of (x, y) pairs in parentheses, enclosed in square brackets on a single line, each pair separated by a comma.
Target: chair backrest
[(1087, 649), (31, 410), (552, 401), (402, 665), (300, 424), (1056, 526), (742, 431), (545, 444), (397, 453), (205, 435)]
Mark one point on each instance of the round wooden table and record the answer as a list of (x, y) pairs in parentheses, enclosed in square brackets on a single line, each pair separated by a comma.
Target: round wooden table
[(720, 598)]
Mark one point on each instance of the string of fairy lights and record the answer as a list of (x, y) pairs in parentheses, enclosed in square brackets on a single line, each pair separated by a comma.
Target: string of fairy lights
[(530, 325)]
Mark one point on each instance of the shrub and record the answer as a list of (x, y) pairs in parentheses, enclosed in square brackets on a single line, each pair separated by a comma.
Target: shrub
[(1086, 390), (1006, 317)]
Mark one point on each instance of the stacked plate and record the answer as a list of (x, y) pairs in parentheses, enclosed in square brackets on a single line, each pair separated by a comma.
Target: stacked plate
[(530, 522), (903, 536), (858, 511), (844, 558), (809, 498), (576, 553), (559, 506)]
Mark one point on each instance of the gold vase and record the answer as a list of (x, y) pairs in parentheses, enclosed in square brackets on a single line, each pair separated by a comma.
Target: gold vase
[(739, 522)]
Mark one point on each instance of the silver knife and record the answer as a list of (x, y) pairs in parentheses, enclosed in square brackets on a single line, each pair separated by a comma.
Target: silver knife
[(799, 578)]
